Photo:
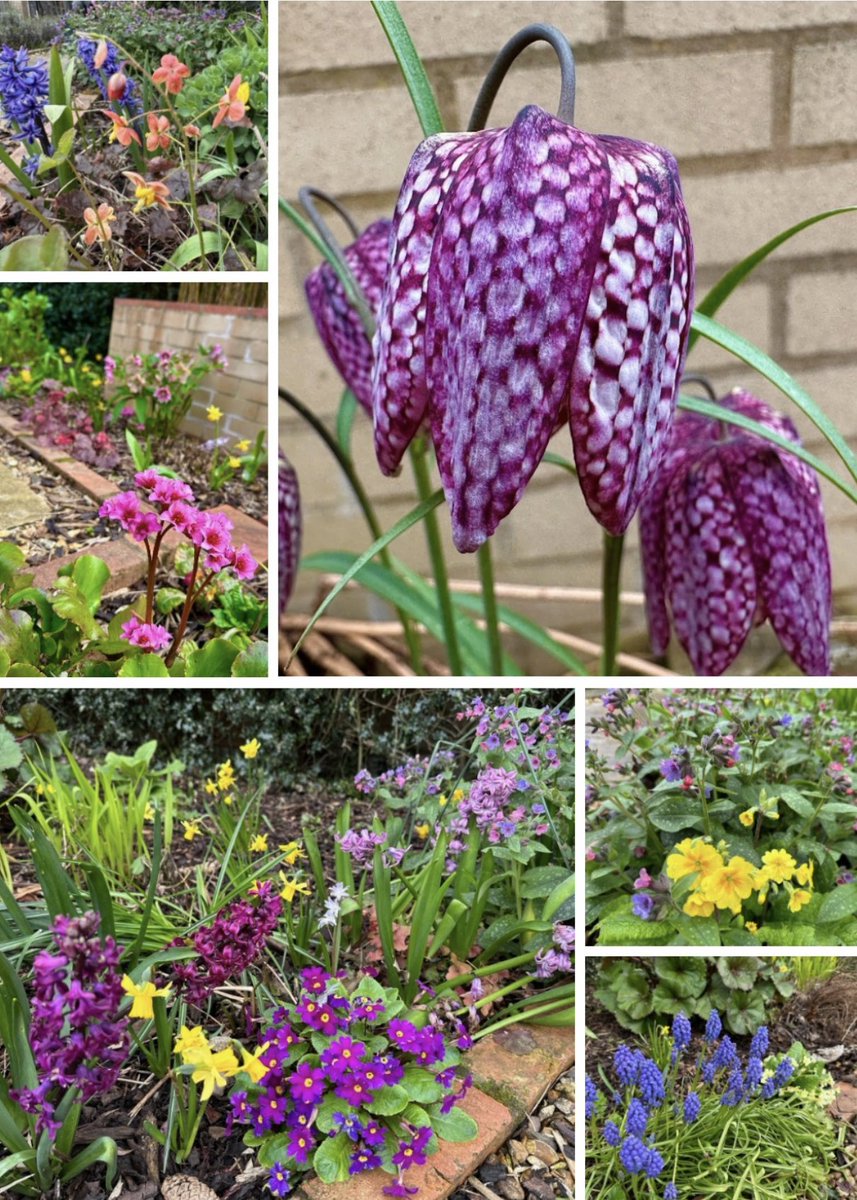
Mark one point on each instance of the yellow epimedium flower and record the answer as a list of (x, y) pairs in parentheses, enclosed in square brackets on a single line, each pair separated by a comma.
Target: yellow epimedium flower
[(779, 865), (143, 995), (191, 830), (190, 1040), (798, 899), (252, 748), (293, 887), (731, 884), (693, 856), (212, 1070), (148, 192), (422, 831), (804, 874), (259, 845), (213, 413), (697, 905), (747, 818), (292, 851)]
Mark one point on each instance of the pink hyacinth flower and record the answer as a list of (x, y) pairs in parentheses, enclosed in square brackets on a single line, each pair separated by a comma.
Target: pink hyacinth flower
[(732, 534), (537, 274)]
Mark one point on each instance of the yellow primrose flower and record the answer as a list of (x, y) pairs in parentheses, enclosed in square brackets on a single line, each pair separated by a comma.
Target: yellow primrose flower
[(442, 801), (292, 851), (213, 413), (696, 905), (212, 1070), (190, 1040), (422, 831), (751, 926), (730, 884), (211, 787), (26, 376), (149, 813), (259, 845), (458, 795), (779, 864), (251, 749), (243, 446), (250, 1064), (293, 887), (747, 818), (804, 874), (798, 899), (693, 856), (234, 463), (191, 830), (144, 996)]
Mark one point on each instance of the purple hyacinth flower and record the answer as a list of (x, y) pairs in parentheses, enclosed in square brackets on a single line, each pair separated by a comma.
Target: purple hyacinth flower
[(732, 533), (337, 321), (538, 274), (289, 530)]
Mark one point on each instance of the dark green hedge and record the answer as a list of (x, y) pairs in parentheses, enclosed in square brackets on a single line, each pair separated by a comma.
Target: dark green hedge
[(80, 313)]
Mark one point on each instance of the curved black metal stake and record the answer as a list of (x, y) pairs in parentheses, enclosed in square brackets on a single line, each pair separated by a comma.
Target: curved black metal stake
[(703, 381), (501, 64), (308, 196)]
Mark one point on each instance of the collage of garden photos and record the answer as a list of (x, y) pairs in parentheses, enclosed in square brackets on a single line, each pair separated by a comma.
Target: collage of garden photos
[(520, 336)]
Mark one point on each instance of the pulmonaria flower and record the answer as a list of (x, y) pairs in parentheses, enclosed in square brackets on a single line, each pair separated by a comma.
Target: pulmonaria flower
[(24, 89), (158, 136), (171, 73), (98, 227), (337, 321), (234, 102), (732, 534), (146, 636), (537, 274), (148, 192), (123, 131)]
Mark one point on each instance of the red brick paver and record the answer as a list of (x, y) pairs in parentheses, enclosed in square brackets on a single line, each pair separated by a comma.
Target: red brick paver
[(519, 1063), (126, 560)]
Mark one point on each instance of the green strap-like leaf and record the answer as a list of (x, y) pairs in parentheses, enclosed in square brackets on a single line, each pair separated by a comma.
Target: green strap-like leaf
[(531, 630), (765, 365), (345, 420), (413, 71), (724, 287), (706, 408)]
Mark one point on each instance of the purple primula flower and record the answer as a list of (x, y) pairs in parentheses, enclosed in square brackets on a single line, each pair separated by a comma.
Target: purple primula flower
[(733, 533), (337, 321), (363, 1160), (306, 1084), (290, 526), (278, 1180), (538, 274)]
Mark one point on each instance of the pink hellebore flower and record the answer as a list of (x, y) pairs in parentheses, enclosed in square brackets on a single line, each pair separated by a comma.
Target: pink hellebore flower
[(163, 395), (537, 274), (172, 73), (337, 322), (145, 636), (732, 534)]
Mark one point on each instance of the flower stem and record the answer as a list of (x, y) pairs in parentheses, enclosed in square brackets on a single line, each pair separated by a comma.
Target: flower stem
[(501, 64), (611, 576), (489, 599), (435, 547), (188, 604)]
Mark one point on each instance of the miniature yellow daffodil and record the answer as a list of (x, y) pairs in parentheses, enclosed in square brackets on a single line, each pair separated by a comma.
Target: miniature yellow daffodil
[(422, 831), (213, 413), (143, 995), (190, 1040), (292, 851), (191, 830), (251, 1065), (293, 887), (212, 1070), (259, 845), (251, 749)]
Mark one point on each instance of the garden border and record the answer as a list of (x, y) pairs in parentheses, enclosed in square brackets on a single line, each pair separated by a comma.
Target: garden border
[(511, 1070)]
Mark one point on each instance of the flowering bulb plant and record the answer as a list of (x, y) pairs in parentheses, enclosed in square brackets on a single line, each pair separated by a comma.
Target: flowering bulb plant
[(537, 277), (354, 1081), (740, 830), (687, 1120), (160, 386)]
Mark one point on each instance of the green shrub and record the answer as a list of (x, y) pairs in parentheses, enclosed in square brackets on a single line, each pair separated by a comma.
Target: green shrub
[(205, 89)]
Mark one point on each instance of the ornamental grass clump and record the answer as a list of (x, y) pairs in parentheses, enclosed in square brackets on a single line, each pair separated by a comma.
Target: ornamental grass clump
[(353, 1081), (688, 1121)]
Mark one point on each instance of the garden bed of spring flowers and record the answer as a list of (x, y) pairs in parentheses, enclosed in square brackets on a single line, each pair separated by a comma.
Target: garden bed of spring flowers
[(721, 818), (120, 154), (688, 1107), (260, 1010)]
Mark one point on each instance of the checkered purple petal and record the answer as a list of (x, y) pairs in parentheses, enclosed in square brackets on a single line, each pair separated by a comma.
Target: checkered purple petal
[(337, 322), (289, 516)]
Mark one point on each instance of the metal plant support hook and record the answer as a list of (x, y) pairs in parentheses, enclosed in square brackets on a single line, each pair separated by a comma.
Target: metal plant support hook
[(307, 197), (704, 382), (501, 64)]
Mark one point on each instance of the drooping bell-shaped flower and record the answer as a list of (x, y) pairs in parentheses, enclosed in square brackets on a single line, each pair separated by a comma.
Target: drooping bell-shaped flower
[(290, 526), (732, 534), (337, 321), (537, 274)]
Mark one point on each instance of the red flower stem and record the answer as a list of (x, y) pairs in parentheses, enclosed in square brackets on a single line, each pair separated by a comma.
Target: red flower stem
[(188, 605), (153, 570)]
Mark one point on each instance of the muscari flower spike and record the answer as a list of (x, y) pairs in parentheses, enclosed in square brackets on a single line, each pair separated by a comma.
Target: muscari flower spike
[(733, 534), (290, 527), (537, 274)]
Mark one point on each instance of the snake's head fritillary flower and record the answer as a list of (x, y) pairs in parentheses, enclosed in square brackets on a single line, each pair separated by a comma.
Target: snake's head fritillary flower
[(337, 321), (732, 534), (289, 530), (537, 274)]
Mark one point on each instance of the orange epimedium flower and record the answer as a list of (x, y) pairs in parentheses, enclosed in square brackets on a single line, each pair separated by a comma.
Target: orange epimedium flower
[(171, 73), (98, 224), (159, 132), (148, 191), (234, 102), (191, 131), (122, 132)]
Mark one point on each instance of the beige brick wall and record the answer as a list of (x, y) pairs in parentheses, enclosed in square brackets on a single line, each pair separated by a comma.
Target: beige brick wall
[(759, 103), (240, 391)]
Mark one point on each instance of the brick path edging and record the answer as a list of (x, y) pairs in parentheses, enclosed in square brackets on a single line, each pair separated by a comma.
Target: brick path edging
[(125, 557), (512, 1069)]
